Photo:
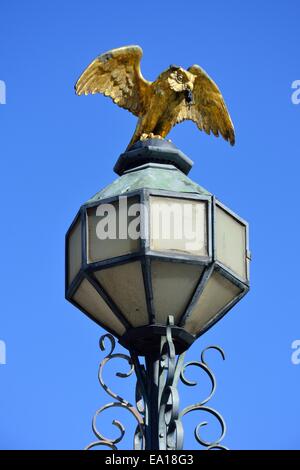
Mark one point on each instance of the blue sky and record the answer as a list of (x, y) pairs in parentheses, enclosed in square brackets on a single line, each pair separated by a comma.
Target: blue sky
[(57, 150)]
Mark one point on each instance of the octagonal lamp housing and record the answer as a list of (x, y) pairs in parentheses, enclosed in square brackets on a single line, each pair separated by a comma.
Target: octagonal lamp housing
[(155, 244)]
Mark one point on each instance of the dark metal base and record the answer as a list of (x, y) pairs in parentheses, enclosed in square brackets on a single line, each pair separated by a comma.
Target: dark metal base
[(147, 339), (152, 151)]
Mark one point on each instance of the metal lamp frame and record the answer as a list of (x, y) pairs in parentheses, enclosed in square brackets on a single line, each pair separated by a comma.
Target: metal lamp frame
[(145, 255)]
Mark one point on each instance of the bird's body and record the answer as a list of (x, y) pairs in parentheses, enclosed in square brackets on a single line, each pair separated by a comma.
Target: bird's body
[(176, 95), (161, 112)]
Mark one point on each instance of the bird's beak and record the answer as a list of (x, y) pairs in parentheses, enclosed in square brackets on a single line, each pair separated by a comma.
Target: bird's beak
[(188, 95)]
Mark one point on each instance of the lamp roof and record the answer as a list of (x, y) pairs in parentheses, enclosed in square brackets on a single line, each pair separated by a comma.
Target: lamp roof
[(148, 166)]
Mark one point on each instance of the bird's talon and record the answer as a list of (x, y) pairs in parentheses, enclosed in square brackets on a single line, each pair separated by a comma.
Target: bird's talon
[(151, 136)]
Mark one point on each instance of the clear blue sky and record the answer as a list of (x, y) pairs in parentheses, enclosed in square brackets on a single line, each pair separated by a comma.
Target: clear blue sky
[(57, 150)]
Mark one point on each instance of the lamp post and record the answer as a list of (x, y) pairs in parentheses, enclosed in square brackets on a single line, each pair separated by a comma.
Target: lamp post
[(156, 260)]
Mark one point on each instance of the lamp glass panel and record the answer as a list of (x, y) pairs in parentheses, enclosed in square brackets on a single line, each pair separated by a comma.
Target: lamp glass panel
[(217, 294), (125, 285), (88, 298), (178, 226), (173, 285), (231, 242), (113, 229), (74, 251)]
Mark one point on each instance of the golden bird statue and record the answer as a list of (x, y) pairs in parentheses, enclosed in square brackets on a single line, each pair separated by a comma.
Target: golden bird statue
[(176, 95)]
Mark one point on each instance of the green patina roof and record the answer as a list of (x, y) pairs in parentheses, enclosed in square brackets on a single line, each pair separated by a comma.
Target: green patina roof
[(150, 176)]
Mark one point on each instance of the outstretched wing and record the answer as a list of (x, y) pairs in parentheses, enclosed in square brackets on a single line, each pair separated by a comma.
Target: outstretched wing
[(117, 74), (208, 109)]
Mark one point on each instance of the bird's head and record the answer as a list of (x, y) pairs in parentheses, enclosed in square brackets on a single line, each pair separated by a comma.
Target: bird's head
[(181, 81)]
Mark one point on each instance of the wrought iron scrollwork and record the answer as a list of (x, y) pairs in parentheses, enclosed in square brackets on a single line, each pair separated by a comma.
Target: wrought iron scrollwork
[(170, 426), (120, 402), (201, 406), (166, 371)]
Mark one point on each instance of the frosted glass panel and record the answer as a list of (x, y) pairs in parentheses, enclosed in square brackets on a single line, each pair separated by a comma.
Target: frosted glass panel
[(178, 225), (124, 283), (230, 242), (113, 229), (173, 285), (217, 294), (89, 299), (74, 251)]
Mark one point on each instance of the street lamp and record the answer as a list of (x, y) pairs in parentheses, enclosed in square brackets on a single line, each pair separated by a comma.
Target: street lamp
[(156, 260)]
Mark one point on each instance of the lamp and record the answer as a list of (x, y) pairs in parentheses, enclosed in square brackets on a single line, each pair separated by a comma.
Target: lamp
[(152, 246), (187, 255)]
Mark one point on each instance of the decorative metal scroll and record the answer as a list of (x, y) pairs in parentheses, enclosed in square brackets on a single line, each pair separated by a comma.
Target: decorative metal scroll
[(119, 402), (201, 406), (171, 369)]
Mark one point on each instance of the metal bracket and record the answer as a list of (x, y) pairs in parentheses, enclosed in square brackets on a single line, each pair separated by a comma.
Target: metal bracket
[(157, 412)]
